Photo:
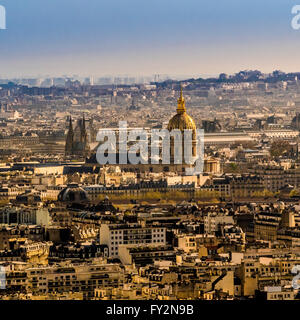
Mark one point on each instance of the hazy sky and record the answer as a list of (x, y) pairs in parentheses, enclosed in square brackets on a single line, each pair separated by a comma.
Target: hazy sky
[(140, 37)]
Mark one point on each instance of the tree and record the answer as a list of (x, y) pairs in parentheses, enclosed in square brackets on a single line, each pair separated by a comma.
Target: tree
[(279, 148), (294, 193)]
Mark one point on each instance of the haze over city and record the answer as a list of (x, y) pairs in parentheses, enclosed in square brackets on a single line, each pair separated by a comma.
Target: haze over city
[(193, 37)]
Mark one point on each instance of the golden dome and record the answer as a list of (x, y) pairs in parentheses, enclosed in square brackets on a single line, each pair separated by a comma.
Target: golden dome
[(181, 120)]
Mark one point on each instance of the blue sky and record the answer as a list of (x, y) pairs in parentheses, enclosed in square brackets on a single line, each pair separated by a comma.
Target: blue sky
[(143, 37)]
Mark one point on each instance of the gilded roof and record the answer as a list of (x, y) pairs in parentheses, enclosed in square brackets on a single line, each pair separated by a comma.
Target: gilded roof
[(181, 121)]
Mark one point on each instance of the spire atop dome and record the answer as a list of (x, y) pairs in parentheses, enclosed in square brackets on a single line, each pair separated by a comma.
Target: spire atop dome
[(181, 120), (181, 103)]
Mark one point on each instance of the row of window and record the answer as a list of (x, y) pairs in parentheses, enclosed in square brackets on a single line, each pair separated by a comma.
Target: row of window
[(116, 237)]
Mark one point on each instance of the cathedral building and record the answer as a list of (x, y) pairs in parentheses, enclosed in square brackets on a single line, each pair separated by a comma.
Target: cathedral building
[(77, 140)]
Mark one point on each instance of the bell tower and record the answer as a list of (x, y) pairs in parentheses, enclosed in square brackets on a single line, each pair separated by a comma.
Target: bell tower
[(69, 139)]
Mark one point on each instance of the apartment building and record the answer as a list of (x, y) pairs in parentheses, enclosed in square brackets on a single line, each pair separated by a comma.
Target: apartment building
[(60, 279), (213, 220), (114, 235)]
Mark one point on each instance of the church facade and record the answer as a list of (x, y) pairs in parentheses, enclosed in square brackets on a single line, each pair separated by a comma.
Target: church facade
[(77, 140)]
